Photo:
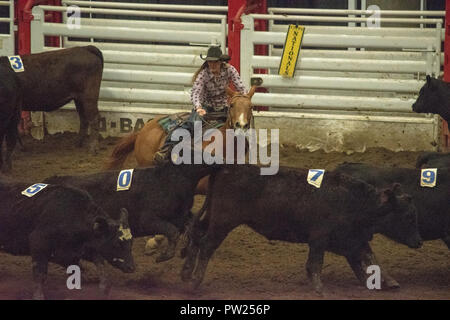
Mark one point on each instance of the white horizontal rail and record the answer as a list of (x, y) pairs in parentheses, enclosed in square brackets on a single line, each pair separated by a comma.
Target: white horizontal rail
[(169, 7), (167, 25), (345, 54), (356, 12), (304, 101), (361, 65), (181, 78), (5, 19), (5, 3), (182, 49), (420, 32), (144, 95), (140, 13), (150, 58), (122, 33), (366, 84), (345, 41), (364, 118), (339, 19)]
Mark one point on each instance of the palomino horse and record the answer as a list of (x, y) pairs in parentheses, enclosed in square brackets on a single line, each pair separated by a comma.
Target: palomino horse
[(151, 137)]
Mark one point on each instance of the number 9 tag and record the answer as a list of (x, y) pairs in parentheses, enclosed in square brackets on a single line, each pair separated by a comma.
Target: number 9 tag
[(315, 177), (35, 188), (428, 178), (16, 63), (124, 180)]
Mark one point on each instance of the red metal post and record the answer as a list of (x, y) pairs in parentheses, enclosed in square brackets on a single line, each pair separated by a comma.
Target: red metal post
[(445, 129), (23, 21), (235, 10), (53, 17), (24, 18)]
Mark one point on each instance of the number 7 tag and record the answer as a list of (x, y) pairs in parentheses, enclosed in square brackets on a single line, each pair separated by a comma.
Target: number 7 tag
[(315, 177)]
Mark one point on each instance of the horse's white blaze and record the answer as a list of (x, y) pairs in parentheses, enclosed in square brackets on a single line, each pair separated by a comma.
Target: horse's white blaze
[(242, 120)]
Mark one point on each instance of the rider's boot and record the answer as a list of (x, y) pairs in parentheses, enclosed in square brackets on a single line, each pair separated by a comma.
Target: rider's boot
[(162, 156)]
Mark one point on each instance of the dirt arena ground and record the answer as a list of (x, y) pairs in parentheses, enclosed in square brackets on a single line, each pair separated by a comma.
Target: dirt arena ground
[(246, 266)]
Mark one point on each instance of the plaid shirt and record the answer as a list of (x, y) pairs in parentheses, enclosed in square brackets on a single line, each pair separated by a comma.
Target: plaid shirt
[(209, 90)]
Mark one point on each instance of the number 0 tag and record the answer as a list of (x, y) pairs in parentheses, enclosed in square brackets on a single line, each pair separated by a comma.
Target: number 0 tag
[(35, 188), (124, 180), (428, 178), (16, 63), (315, 177)]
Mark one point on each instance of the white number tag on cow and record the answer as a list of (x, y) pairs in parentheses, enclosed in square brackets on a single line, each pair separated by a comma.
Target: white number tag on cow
[(124, 180), (35, 188), (16, 63), (428, 177), (315, 177)]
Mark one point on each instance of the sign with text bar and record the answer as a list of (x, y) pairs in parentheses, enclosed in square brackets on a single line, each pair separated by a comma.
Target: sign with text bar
[(291, 50)]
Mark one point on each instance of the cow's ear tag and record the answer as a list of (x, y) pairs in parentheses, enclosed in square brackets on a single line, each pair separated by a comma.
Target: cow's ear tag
[(428, 178), (315, 177), (124, 180), (16, 63), (34, 189)]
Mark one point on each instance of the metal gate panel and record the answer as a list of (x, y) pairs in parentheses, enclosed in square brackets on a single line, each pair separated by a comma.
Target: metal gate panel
[(342, 99)]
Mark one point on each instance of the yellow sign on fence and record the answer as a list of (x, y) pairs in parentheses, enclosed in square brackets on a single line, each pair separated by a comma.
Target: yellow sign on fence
[(291, 50)]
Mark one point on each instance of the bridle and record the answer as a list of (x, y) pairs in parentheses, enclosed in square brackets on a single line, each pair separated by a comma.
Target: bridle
[(229, 123)]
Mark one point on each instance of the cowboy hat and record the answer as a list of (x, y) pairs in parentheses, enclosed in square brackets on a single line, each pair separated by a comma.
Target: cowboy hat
[(215, 54)]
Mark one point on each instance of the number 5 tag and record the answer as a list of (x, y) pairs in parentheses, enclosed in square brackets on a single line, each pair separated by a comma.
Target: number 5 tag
[(35, 188), (315, 177), (16, 63), (428, 178)]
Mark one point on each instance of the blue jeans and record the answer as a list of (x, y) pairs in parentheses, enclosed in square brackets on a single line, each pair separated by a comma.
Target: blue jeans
[(188, 125)]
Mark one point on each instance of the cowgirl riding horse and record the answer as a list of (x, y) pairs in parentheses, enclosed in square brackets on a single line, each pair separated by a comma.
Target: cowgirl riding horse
[(208, 95)]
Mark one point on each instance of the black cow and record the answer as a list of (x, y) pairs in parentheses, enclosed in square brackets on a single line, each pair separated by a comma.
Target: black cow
[(434, 97), (340, 217), (159, 200), (433, 204), (9, 111), (53, 79), (63, 225), (433, 160)]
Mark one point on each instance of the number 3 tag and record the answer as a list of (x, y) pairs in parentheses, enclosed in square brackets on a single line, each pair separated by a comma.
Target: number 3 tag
[(124, 180), (315, 177), (428, 178), (35, 188), (16, 63)]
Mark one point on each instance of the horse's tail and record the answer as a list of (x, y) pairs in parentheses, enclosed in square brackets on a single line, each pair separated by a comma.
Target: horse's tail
[(120, 153)]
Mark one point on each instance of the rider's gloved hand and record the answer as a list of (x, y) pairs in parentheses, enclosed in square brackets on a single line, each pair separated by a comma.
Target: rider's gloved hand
[(201, 111)]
